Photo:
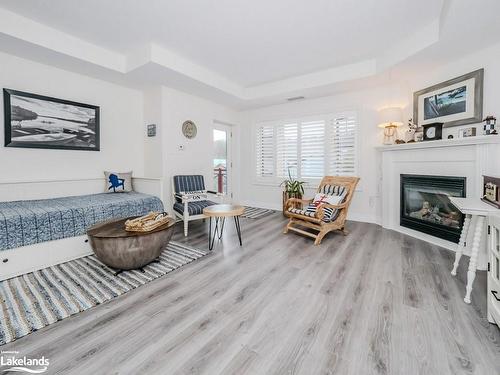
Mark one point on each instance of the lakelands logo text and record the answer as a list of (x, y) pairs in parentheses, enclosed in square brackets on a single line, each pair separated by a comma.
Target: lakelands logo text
[(14, 363)]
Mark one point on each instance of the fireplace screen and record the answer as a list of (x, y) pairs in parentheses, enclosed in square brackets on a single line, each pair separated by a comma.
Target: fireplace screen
[(426, 207)]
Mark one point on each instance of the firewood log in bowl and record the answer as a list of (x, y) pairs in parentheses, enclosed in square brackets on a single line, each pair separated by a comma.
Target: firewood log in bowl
[(147, 223)]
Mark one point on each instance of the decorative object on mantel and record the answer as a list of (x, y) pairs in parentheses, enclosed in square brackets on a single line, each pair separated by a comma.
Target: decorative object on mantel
[(489, 126), (491, 191), (458, 101), (455, 142), (419, 134), (467, 132), (410, 133), (36, 121), (433, 132), (390, 119), (451, 136), (292, 189), (189, 129)]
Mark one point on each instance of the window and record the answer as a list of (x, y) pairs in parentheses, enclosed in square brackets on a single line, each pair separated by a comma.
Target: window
[(286, 149), (265, 151), (307, 148), (312, 149), (342, 145)]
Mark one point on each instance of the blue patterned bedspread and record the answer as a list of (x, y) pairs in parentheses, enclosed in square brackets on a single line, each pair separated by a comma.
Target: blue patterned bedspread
[(28, 222)]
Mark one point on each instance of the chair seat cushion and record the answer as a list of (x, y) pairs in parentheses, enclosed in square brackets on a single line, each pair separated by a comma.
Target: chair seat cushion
[(304, 212), (194, 208), (310, 211)]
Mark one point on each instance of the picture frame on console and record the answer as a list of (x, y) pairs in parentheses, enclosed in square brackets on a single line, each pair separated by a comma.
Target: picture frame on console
[(455, 102), (37, 121)]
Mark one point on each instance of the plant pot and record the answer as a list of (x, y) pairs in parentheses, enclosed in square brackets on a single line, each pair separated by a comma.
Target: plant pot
[(286, 196)]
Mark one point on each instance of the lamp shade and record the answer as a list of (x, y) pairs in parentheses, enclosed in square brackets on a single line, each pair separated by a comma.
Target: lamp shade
[(392, 116)]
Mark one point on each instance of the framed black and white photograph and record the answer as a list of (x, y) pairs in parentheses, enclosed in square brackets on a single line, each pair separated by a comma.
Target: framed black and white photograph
[(458, 101), (36, 121)]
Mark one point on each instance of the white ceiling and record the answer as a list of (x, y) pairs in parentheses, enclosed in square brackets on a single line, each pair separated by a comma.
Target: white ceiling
[(248, 42), (242, 52)]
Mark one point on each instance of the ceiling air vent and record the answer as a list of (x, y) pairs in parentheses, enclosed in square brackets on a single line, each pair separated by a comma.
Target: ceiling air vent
[(295, 98)]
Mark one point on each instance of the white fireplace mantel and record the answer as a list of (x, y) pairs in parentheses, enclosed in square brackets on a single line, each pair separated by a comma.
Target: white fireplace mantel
[(465, 157), (479, 140)]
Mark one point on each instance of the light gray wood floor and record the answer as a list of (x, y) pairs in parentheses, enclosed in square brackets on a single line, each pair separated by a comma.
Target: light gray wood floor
[(374, 302)]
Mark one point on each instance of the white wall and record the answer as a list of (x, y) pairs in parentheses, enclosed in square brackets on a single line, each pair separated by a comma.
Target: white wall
[(121, 123), (153, 150), (366, 103), (197, 153)]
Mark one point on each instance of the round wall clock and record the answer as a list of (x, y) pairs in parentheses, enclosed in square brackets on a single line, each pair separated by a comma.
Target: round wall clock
[(189, 129)]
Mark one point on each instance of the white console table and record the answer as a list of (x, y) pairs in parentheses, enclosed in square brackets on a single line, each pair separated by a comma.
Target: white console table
[(471, 207)]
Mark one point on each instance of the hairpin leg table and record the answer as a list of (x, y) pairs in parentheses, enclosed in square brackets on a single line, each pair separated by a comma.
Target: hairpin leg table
[(220, 212), (475, 212)]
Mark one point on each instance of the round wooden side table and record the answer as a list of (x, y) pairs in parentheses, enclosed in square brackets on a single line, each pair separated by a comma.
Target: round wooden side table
[(220, 212)]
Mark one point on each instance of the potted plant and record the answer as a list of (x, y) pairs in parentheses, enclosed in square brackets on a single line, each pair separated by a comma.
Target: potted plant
[(292, 188)]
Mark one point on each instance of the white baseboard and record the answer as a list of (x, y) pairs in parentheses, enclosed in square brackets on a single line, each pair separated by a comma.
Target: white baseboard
[(364, 218)]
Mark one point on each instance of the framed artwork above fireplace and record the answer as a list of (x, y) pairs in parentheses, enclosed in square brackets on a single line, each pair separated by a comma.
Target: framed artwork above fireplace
[(458, 101), (425, 205)]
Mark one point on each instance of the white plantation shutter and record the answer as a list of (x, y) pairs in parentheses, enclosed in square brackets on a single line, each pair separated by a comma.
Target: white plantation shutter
[(265, 151), (286, 149), (341, 147), (309, 148), (312, 149)]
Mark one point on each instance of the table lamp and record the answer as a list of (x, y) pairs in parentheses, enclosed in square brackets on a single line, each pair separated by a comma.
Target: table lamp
[(390, 119)]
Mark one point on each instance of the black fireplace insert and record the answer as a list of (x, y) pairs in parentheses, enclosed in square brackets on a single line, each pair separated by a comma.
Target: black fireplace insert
[(426, 207)]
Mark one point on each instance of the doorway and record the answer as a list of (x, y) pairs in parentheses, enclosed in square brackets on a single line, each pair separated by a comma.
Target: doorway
[(221, 162)]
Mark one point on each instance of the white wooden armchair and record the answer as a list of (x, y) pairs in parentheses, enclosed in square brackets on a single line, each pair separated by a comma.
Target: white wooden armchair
[(324, 217), (191, 197)]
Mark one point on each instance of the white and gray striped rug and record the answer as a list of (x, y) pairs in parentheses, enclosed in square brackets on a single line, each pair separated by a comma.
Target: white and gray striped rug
[(35, 300), (256, 213)]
